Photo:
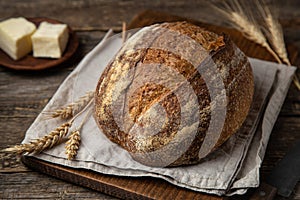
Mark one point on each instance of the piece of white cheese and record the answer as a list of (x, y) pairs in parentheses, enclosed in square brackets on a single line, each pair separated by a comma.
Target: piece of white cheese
[(15, 37), (50, 40)]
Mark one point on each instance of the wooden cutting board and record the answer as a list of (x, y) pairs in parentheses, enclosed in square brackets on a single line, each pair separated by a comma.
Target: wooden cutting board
[(145, 187)]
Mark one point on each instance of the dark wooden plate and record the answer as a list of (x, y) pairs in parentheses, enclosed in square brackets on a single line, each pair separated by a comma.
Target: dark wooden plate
[(30, 63)]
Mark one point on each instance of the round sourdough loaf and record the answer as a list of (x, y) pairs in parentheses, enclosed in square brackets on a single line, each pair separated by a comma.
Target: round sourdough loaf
[(174, 93)]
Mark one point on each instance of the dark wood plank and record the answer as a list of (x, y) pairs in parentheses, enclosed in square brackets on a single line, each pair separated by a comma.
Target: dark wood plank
[(39, 186), (122, 187)]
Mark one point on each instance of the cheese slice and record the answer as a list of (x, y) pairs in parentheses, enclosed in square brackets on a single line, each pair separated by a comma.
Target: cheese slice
[(50, 40), (15, 37)]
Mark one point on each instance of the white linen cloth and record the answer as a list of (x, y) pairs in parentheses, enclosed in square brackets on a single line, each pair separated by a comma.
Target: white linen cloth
[(230, 170)]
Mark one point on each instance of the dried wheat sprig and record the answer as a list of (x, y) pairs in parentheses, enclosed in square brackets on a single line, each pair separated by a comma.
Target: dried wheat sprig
[(276, 38), (274, 33), (72, 108), (47, 141), (273, 30), (245, 23), (73, 143), (41, 144)]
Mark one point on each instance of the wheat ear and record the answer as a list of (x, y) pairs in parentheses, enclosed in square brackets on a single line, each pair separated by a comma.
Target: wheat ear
[(273, 30), (46, 142), (274, 33), (276, 38), (73, 144), (74, 140), (245, 23), (71, 109), (41, 144)]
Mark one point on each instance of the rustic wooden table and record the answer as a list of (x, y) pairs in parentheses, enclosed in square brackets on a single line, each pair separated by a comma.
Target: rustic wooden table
[(24, 94)]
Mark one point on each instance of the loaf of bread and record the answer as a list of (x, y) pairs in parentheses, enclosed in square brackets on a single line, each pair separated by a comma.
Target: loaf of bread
[(173, 94)]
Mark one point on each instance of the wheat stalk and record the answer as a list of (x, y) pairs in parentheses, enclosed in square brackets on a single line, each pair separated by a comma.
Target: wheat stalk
[(245, 23), (46, 142), (276, 38), (41, 144), (273, 30), (72, 108), (274, 33), (73, 144)]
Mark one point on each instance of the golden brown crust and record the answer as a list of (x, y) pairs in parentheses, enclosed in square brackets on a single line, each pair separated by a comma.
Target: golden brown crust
[(132, 83)]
